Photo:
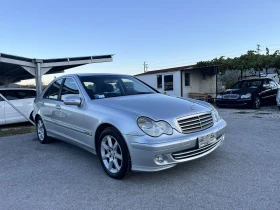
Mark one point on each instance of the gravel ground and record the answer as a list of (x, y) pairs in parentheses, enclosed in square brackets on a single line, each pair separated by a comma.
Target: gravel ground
[(241, 174)]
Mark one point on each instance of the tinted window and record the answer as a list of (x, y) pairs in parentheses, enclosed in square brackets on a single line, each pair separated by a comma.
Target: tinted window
[(54, 89), (187, 79), (31, 93), (69, 88), (159, 81), (168, 82), (247, 84), (113, 86), (11, 95)]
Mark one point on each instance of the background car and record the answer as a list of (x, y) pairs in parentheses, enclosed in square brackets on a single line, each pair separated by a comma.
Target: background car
[(278, 99), (22, 99), (251, 93)]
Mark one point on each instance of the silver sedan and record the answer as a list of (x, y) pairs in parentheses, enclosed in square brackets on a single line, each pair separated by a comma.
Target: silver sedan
[(128, 124)]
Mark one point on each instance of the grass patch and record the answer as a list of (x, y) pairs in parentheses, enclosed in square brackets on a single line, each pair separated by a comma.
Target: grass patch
[(15, 129)]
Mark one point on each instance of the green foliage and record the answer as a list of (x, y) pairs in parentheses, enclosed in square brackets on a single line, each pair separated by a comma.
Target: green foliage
[(251, 61)]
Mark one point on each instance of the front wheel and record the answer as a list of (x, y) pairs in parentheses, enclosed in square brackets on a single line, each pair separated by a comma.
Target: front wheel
[(256, 103), (41, 131), (113, 153)]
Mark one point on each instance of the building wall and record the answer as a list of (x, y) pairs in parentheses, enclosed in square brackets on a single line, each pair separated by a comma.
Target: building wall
[(197, 84), (208, 85), (195, 80), (151, 79)]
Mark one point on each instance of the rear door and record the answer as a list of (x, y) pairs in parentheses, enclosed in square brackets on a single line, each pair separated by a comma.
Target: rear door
[(2, 110)]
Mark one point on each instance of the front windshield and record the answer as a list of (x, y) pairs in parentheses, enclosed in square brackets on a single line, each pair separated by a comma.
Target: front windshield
[(247, 84), (107, 86)]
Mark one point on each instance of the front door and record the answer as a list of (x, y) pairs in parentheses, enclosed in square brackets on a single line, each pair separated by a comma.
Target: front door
[(71, 117)]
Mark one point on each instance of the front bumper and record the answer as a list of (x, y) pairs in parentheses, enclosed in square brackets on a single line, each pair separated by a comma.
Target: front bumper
[(234, 102), (176, 148)]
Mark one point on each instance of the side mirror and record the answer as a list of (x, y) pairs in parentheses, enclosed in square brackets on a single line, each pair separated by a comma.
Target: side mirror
[(72, 100)]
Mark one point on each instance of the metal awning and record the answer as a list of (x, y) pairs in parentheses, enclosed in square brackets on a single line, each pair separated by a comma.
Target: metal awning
[(15, 68)]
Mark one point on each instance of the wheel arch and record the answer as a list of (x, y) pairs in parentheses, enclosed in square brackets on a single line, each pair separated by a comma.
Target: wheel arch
[(99, 130)]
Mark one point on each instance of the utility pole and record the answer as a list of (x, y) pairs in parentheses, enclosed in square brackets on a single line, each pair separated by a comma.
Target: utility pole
[(145, 66)]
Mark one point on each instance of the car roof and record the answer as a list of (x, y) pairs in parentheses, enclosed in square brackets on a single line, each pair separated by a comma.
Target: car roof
[(92, 74)]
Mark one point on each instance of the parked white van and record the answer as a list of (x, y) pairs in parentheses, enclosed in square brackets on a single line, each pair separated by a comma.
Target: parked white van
[(22, 99)]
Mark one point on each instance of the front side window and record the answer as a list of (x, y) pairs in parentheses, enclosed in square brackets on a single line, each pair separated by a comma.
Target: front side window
[(53, 91), (159, 81), (168, 82), (107, 86), (69, 88)]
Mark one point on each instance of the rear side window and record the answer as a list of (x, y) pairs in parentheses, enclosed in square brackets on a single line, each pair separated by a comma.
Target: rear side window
[(31, 93), (53, 91), (11, 95), (69, 88)]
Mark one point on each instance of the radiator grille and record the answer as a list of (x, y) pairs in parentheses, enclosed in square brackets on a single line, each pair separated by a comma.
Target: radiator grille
[(196, 123)]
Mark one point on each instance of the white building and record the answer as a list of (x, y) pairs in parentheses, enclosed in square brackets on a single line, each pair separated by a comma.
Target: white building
[(180, 81)]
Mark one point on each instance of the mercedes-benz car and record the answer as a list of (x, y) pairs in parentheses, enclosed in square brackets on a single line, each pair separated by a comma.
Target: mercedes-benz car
[(128, 124), (249, 93)]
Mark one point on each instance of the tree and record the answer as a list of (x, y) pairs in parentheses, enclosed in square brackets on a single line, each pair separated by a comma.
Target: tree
[(252, 62)]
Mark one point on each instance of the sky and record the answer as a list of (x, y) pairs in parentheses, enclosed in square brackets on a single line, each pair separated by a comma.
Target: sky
[(163, 33)]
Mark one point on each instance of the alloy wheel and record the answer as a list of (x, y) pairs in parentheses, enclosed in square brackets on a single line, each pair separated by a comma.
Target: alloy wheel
[(111, 154), (257, 102), (40, 130)]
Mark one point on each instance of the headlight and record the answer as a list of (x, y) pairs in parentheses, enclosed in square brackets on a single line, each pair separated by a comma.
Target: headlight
[(215, 114), (153, 128), (219, 96), (248, 95)]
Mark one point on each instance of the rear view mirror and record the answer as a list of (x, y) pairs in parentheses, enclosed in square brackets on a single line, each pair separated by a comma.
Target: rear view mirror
[(266, 86), (72, 100)]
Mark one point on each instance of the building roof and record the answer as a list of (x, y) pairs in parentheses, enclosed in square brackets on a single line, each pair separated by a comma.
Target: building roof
[(179, 68)]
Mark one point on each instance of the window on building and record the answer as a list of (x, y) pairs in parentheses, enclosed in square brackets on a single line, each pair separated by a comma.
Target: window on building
[(159, 81), (204, 75), (168, 82), (187, 79)]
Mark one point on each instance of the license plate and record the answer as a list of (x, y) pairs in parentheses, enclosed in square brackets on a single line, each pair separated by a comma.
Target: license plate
[(207, 139)]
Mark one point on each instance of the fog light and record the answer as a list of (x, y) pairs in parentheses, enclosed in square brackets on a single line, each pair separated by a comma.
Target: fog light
[(159, 159)]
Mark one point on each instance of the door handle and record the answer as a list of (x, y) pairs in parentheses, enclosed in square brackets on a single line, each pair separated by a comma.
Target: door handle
[(57, 107), (41, 103)]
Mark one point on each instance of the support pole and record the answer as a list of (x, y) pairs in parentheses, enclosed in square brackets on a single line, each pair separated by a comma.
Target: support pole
[(38, 77)]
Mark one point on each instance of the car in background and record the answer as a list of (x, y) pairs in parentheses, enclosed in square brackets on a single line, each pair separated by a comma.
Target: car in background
[(21, 98), (128, 124), (278, 99), (249, 93)]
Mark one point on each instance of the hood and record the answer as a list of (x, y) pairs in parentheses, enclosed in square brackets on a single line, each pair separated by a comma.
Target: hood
[(242, 91), (155, 106)]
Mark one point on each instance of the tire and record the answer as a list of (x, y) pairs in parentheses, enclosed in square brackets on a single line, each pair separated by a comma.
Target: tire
[(256, 103), (41, 131), (113, 153)]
